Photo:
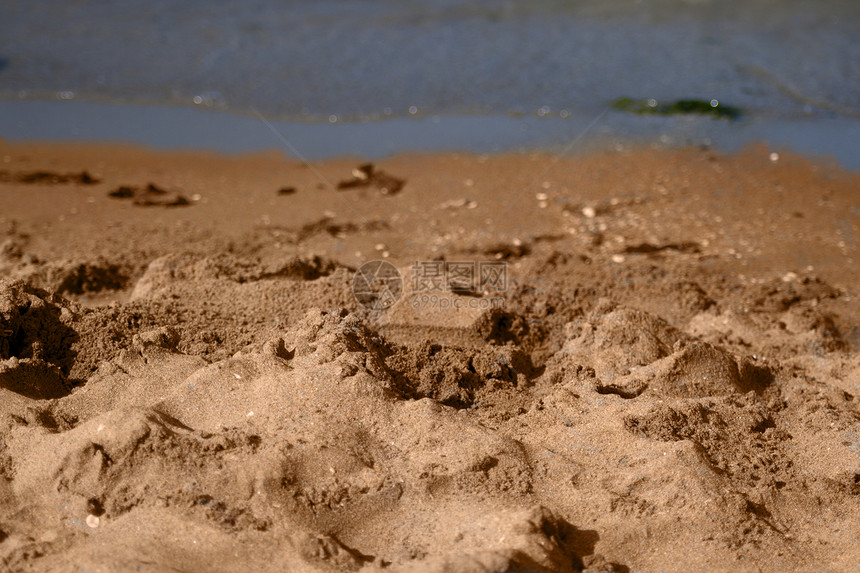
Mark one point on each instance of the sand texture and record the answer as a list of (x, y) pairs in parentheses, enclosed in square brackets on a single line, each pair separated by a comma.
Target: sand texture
[(668, 380)]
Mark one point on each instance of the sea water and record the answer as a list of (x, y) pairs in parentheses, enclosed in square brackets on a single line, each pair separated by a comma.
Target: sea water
[(372, 77)]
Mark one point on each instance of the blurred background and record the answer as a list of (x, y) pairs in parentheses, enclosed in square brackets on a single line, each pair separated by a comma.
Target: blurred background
[(372, 77)]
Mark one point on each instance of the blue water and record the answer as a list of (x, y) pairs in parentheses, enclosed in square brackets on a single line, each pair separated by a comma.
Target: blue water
[(426, 74)]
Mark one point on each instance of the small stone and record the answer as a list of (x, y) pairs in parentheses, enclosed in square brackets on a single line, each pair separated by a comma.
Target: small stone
[(93, 521), (454, 203), (589, 212), (618, 259)]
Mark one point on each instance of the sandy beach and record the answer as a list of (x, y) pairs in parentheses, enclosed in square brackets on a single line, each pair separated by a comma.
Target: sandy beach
[(636, 360)]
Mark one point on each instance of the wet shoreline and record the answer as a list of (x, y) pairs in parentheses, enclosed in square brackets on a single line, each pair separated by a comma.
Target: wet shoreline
[(200, 128)]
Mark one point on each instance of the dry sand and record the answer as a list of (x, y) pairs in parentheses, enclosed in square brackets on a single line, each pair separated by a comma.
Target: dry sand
[(670, 380)]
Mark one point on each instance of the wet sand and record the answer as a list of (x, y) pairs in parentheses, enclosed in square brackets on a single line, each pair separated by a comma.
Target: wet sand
[(664, 378)]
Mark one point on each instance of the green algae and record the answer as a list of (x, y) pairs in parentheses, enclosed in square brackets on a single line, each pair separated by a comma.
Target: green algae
[(682, 106)]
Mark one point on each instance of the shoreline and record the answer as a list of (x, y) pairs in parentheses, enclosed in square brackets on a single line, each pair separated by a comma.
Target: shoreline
[(580, 131)]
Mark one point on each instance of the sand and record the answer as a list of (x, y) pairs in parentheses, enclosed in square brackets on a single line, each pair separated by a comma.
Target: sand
[(667, 378)]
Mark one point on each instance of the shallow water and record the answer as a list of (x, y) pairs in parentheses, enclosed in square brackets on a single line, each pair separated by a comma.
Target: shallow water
[(359, 61)]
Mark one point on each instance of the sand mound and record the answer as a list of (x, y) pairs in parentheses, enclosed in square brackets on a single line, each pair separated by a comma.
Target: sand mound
[(630, 352), (178, 268), (311, 435), (619, 338)]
